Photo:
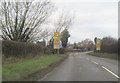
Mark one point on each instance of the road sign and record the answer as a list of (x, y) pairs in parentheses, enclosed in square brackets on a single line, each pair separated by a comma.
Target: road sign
[(98, 44), (56, 35), (56, 44), (56, 38)]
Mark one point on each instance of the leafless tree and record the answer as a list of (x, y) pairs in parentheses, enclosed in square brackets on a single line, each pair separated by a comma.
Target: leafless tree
[(64, 21), (22, 21)]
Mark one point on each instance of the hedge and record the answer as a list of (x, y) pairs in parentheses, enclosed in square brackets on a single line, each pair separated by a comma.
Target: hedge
[(22, 49)]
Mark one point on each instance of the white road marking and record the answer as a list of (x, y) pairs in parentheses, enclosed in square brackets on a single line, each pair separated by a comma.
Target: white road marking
[(94, 62), (110, 72), (105, 68)]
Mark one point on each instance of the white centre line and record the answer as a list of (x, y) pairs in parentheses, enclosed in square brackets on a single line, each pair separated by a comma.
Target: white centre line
[(94, 62), (110, 72)]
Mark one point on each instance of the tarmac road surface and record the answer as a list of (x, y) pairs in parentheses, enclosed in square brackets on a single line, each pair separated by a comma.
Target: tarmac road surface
[(83, 67)]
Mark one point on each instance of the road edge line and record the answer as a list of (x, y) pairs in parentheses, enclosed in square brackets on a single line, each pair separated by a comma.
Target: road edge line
[(110, 72)]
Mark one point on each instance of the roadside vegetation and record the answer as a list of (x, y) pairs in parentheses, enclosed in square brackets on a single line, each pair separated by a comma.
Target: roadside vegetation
[(27, 38), (27, 61), (108, 45), (105, 55), (25, 68), (109, 48)]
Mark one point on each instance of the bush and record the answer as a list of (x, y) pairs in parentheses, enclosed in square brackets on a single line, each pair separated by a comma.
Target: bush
[(47, 50), (22, 49), (109, 45), (62, 50)]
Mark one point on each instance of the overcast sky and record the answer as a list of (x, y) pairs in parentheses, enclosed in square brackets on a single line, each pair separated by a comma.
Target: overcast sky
[(93, 18)]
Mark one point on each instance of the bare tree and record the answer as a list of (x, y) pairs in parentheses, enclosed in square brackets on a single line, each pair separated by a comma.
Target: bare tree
[(62, 25), (64, 21), (22, 21)]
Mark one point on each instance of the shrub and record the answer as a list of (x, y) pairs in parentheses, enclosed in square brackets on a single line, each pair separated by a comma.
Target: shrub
[(22, 49), (109, 45)]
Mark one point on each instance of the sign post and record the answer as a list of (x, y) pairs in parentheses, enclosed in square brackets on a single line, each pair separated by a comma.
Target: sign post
[(56, 44), (98, 44)]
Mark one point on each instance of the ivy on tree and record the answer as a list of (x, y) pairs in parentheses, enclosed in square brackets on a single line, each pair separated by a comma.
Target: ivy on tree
[(64, 37)]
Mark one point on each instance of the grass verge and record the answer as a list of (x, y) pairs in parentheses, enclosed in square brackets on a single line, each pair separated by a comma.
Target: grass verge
[(31, 69), (105, 55)]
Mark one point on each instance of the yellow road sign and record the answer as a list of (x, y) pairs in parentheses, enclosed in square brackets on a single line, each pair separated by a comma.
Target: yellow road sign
[(56, 44), (56, 34), (98, 44)]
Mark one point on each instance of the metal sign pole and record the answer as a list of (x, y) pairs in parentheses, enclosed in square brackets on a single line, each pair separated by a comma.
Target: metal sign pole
[(58, 51)]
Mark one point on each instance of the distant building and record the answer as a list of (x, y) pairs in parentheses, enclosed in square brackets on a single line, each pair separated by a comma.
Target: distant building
[(70, 46), (80, 44)]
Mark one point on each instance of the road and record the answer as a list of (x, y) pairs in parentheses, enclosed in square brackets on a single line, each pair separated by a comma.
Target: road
[(82, 67)]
